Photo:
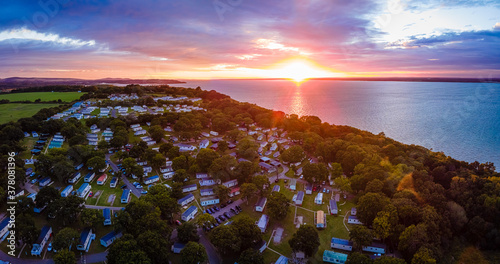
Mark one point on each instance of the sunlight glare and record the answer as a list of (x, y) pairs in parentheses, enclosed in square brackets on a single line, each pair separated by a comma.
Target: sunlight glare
[(299, 70)]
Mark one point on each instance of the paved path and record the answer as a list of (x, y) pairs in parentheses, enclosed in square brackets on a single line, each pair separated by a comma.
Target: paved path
[(213, 256), (130, 186)]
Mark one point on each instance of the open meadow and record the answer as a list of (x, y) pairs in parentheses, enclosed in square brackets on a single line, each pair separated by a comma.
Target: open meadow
[(12, 112), (43, 96)]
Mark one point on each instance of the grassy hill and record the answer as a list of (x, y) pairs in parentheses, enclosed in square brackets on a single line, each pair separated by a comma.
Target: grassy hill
[(44, 96)]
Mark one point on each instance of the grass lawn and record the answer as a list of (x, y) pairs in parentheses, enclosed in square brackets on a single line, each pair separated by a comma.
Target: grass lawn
[(44, 96), (12, 112)]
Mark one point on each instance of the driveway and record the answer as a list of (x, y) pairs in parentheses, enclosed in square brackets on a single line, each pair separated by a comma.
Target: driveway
[(213, 256), (130, 186), (227, 208)]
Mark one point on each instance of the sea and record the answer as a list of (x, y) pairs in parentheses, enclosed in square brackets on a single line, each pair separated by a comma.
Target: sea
[(460, 119)]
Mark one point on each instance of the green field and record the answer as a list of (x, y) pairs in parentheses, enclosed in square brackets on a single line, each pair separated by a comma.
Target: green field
[(44, 96), (12, 112)]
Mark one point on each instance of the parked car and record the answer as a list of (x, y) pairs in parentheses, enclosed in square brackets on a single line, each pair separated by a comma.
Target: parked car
[(217, 220), (233, 211), (135, 184), (91, 193), (209, 210), (227, 215), (178, 222), (229, 201), (222, 205), (216, 208), (49, 248), (324, 190), (34, 181), (124, 186), (239, 208), (138, 186), (222, 218), (144, 192)]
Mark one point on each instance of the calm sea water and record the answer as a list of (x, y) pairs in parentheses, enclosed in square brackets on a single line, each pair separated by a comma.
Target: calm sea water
[(460, 119)]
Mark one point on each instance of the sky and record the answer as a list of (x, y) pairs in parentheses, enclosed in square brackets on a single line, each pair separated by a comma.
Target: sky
[(208, 39)]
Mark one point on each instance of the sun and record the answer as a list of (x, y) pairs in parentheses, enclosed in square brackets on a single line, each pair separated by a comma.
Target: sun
[(300, 69)]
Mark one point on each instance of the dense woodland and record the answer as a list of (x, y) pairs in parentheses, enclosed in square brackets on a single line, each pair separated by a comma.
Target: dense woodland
[(429, 207)]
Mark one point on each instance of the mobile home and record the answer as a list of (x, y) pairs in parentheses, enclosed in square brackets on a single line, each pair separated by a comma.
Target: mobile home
[(67, 191)]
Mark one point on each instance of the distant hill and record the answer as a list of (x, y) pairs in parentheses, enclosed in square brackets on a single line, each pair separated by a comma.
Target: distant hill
[(21, 82)]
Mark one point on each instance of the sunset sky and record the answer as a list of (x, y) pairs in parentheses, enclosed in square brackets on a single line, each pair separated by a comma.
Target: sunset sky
[(205, 39)]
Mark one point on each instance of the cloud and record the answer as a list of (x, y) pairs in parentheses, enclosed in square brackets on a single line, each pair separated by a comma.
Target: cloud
[(31, 35)]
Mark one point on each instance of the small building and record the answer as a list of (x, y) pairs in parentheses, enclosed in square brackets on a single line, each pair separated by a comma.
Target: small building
[(234, 191), (113, 182), (125, 198), (168, 175), (330, 256), (189, 213), (333, 207), (207, 182), (206, 192), (263, 222), (300, 198), (152, 179), (320, 219), (67, 191), (276, 188), (213, 133), (106, 212), (353, 211), (41, 241), (45, 182), (102, 179), (83, 191), (230, 183), (201, 175), (293, 184), (110, 237), (185, 147), (89, 177), (352, 219), (261, 204), (186, 200), (206, 201), (165, 169), (178, 247), (86, 238), (308, 188), (4, 228), (342, 244), (377, 248), (266, 167), (319, 198), (189, 188), (204, 143), (282, 260), (36, 151), (79, 166)]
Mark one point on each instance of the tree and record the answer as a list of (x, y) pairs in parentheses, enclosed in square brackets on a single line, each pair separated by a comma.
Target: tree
[(27, 232), (369, 205), (261, 182), (306, 239), (126, 250), (384, 225), (244, 171), (247, 231), (77, 140), (360, 236), (193, 253), (165, 147), (248, 190), (251, 256), (180, 176), (205, 218), (472, 255), (293, 154), (205, 158), (343, 184), (64, 257), (155, 245), (157, 161), (358, 258), (336, 170), (389, 260), (225, 238), (156, 133), (25, 205), (187, 232), (96, 163), (91, 217), (412, 238), (423, 256), (45, 196), (66, 238), (315, 172), (278, 206), (222, 167), (222, 192), (222, 146), (176, 191)]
